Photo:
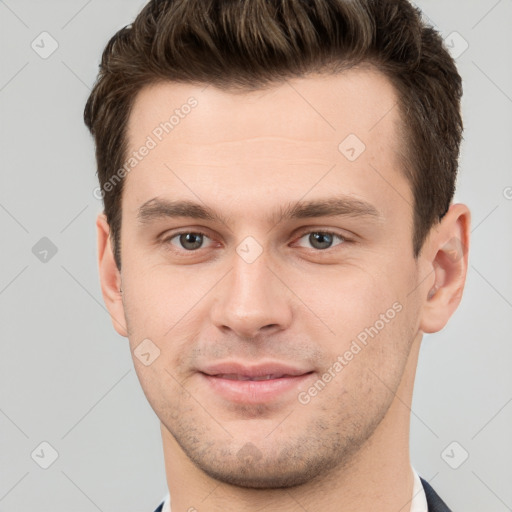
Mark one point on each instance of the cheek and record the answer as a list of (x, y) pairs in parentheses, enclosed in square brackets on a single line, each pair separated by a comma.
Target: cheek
[(163, 306), (371, 316), (347, 298), (159, 297)]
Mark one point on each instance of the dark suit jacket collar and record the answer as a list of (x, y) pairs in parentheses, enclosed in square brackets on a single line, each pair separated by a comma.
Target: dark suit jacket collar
[(435, 503)]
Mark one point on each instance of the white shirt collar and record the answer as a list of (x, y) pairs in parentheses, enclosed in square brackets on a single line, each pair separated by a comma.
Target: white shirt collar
[(418, 501), (167, 504)]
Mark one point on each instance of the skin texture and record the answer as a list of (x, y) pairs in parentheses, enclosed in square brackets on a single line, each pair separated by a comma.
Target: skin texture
[(247, 157)]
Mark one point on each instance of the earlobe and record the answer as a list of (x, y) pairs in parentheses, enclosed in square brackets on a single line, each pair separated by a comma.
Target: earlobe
[(110, 276), (448, 260)]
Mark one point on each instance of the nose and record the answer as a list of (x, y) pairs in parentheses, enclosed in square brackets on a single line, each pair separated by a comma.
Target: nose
[(252, 300)]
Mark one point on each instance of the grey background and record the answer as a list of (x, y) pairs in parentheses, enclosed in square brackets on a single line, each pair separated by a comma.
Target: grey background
[(66, 377)]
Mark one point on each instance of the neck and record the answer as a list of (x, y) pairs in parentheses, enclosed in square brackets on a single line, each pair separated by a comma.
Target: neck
[(379, 477)]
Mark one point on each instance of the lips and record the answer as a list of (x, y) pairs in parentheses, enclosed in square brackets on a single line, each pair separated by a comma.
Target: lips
[(263, 371), (236, 376), (253, 384)]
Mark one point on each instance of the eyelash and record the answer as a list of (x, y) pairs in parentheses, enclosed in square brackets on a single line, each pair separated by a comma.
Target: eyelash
[(344, 240)]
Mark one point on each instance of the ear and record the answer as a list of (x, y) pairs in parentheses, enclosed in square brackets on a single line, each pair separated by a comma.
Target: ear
[(446, 251), (110, 276)]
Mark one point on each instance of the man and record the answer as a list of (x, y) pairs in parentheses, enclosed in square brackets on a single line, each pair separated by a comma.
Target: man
[(278, 234)]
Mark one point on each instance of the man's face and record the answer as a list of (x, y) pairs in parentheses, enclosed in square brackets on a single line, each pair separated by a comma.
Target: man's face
[(268, 292)]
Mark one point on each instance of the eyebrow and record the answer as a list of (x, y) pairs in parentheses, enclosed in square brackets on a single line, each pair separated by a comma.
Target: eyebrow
[(159, 208)]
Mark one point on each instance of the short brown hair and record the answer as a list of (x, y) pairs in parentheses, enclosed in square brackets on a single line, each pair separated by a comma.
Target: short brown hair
[(252, 44)]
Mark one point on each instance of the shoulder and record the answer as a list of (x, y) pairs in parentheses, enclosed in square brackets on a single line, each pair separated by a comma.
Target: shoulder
[(435, 503)]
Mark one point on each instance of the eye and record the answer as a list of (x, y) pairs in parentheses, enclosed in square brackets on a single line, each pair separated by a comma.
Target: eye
[(322, 240), (188, 240)]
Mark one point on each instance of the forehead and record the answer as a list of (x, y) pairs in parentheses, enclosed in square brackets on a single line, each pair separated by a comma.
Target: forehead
[(277, 140), (360, 101)]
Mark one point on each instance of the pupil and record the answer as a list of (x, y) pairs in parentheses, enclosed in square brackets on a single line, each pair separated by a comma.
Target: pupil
[(320, 240), (191, 240)]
